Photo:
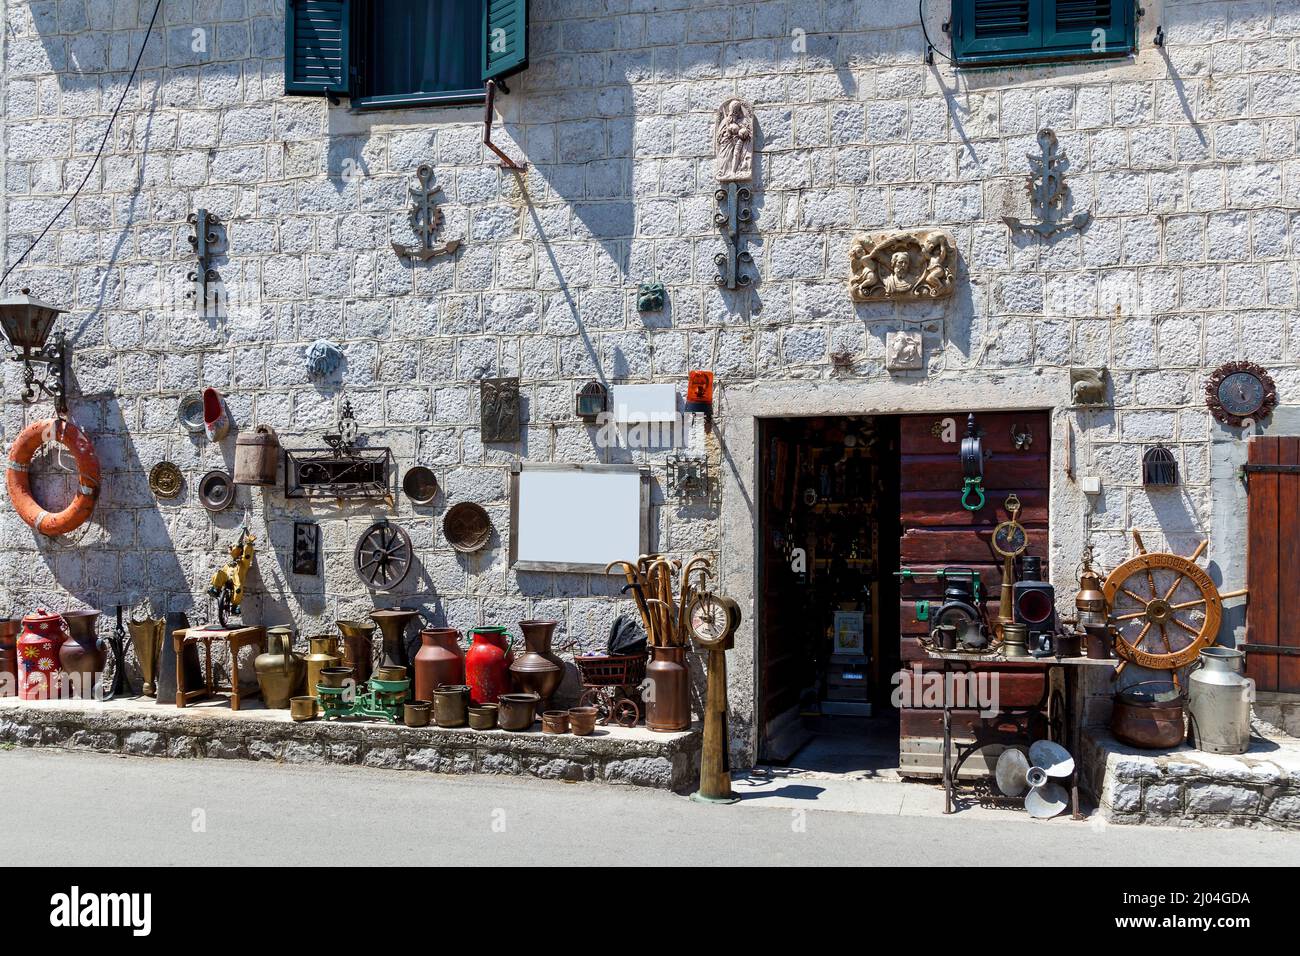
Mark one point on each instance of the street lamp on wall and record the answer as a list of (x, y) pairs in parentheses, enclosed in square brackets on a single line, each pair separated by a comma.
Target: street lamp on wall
[(27, 323)]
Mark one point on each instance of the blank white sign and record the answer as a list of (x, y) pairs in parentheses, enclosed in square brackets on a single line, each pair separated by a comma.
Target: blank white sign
[(584, 519)]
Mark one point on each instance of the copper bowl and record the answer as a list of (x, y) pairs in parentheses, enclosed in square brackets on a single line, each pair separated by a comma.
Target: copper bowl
[(555, 722), (483, 716), (515, 711), (335, 676), (390, 672), (582, 720), (1149, 715), (302, 708), (416, 713)]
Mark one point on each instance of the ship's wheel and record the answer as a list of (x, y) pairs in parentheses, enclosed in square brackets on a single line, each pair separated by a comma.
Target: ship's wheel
[(1165, 608)]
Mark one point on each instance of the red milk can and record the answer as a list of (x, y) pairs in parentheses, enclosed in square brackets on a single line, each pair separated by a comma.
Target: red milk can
[(38, 655), (487, 664)]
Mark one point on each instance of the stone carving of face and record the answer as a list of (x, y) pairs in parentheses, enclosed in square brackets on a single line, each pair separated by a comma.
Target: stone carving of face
[(898, 264)]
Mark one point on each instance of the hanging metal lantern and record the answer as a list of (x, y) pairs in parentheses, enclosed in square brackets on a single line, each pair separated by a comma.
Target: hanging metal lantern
[(27, 322), (593, 400), (1159, 467)]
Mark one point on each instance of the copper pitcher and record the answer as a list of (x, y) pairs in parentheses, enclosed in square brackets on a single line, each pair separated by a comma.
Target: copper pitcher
[(147, 638)]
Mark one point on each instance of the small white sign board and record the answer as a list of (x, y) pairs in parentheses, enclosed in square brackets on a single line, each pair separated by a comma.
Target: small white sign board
[(643, 403)]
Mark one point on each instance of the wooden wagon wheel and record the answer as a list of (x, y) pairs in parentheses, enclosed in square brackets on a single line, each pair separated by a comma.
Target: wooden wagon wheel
[(1165, 608), (383, 556)]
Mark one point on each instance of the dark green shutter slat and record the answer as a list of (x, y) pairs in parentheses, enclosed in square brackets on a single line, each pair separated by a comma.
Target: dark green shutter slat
[(1002, 18), (505, 37), (1083, 15), (317, 47)]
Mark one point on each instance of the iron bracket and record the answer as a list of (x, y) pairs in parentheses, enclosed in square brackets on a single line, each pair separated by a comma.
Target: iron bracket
[(506, 161), (1269, 649), (732, 216), (203, 242), (54, 382)]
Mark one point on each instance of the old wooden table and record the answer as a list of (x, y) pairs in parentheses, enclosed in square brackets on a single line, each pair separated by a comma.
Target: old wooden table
[(996, 732)]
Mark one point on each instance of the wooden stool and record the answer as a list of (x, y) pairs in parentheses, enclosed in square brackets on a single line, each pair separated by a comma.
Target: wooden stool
[(236, 638)]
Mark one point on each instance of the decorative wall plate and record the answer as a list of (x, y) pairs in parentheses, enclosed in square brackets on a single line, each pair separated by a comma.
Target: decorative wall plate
[(1239, 393), (216, 491), (383, 556), (467, 527), (166, 480), (190, 414), (420, 485)]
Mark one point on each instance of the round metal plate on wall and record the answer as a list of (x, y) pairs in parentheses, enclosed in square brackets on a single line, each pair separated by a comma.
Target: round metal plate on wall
[(420, 485), (166, 480), (467, 527), (216, 491), (190, 414), (1240, 393), (383, 556)]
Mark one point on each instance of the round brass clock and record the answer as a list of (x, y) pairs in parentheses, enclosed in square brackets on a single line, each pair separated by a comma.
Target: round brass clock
[(1009, 538), (713, 619), (1240, 393)]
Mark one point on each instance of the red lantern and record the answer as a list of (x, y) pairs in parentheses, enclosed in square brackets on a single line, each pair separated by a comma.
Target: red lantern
[(699, 392), (38, 655)]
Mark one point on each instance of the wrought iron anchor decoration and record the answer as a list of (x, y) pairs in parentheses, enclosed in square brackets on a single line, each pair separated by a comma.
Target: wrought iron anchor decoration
[(204, 242), (1048, 192), (733, 215), (426, 218)]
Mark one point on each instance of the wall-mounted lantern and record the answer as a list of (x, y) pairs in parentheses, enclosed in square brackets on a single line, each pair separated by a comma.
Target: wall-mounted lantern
[(699, 393), (27, 322), (1159, 467), (592, 401)]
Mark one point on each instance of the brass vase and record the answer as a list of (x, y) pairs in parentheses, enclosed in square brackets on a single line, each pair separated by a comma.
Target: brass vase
[(279, 670), (356, 648), (392, 624), (324, 653), (147, 638)]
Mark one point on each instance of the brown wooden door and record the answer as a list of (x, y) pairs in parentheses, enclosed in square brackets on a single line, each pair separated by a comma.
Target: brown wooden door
[(1272, 565)]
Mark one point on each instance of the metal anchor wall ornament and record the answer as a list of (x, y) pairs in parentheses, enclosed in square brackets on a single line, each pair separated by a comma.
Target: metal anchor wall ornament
[(203, 242), (1048, 192), (425, 218)]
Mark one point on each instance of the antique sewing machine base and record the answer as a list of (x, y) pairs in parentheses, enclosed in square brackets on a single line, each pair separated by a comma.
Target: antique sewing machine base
[(237, 639)]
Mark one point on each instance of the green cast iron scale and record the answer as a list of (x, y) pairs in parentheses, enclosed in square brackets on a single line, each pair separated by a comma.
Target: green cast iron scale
[(378, 699)]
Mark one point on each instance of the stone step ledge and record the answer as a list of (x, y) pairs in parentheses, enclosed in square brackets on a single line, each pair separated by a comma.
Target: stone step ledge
[(1186, 787), (139, 727)]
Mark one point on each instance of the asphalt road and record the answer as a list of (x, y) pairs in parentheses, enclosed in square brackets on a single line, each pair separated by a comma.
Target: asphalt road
[(125, 810)]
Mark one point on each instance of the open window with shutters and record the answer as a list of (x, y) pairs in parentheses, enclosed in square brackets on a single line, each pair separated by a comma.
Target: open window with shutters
[(385, 54), (1003, 32)]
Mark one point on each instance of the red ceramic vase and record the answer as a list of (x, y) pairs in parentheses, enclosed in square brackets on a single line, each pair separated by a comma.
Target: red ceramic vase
[(38, 655), (487, 664), (440, 660)]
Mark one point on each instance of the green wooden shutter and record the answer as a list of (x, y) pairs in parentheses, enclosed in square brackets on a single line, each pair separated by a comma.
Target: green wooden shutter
[(505, 37), (1019, 31), (317, 47), (1076, 25), (984, 29)]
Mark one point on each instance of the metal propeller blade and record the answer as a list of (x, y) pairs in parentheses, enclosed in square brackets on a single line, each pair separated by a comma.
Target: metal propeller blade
[(1052, 757), (1045, 802), (1012, 772)]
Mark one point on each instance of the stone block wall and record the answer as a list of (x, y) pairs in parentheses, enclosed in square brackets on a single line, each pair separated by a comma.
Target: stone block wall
[(1185, 154)]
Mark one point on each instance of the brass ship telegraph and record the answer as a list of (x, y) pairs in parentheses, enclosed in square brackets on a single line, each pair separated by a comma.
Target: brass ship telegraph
[(1010, 541)]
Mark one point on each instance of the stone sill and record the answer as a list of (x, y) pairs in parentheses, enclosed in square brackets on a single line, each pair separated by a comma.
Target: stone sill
[(140, 727), (1186, 787)]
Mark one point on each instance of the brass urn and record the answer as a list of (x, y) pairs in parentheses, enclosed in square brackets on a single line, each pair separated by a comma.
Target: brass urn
[(324, 653), (279, 670), (147, 638)]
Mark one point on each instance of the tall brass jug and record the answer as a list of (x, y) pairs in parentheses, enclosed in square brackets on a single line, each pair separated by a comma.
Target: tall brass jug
[(324, 653), (147, 638)]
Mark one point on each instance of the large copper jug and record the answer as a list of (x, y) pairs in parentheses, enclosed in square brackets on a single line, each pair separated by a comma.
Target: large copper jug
[(324, 653), (357, 653), (440, 660), (538, 669), (279, 670), (82, 656), (147, 638), (668, 700)]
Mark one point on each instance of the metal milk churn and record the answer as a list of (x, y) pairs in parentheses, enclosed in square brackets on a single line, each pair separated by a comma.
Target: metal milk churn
[(1218, 702)]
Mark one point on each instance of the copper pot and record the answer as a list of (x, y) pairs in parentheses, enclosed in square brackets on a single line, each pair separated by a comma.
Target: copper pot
[(582, 720), (483, 716), (1149, 715), (555, 722), (334, 676), (416, 713), (451, 704), (302, 708), (515, 711)]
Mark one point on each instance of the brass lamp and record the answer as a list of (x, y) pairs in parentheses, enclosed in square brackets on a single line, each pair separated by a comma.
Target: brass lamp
[(27, 322)]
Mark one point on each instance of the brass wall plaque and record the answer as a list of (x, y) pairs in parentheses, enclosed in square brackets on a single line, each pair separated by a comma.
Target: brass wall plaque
[(499, 409)]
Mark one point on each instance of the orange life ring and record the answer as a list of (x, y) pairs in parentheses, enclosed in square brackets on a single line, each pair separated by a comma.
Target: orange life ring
[(24, 449)]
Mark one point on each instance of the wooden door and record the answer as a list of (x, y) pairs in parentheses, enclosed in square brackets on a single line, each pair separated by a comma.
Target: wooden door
[(1273, 564), (937, 532)]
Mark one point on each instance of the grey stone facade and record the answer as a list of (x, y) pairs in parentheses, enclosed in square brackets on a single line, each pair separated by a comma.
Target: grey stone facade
[(1186, 155)]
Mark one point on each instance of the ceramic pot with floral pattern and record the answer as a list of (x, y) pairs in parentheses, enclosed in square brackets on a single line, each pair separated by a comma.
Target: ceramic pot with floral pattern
[(38, 655)]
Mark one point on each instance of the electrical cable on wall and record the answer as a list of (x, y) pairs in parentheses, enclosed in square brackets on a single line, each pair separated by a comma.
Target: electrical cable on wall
[(929, 44), (98, 153)]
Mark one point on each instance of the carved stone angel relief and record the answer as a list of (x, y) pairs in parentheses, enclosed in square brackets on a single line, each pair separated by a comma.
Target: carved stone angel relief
[(733, 142), (901, 266)]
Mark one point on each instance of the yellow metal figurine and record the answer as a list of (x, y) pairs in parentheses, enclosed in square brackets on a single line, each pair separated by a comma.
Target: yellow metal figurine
[(228, 583)]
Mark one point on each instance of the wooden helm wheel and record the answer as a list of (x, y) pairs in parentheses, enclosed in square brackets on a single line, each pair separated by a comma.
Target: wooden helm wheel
[(1165, 608)]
